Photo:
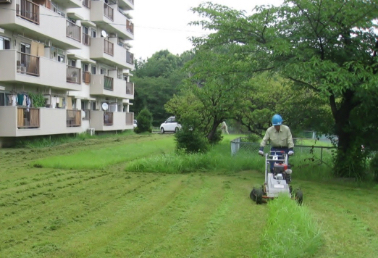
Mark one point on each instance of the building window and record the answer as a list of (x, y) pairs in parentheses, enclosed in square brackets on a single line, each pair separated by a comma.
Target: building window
[(4, 43), (94, 69)]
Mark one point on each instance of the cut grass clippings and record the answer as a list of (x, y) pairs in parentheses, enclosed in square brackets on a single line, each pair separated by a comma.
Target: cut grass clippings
[(290, 231)]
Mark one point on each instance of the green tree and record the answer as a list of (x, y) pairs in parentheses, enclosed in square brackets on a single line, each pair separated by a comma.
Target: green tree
[(144, 121), (156, 81), (328, 47)]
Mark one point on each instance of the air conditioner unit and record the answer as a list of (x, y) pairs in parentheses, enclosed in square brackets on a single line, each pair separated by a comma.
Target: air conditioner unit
[(5, 1), (91, 131)]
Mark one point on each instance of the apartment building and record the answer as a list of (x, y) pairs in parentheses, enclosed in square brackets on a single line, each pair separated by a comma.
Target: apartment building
[(65, 66)]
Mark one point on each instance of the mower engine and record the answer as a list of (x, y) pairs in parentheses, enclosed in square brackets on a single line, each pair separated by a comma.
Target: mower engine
[(281, 171)]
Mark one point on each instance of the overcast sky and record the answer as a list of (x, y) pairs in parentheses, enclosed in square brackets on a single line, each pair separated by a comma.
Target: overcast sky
[(163, 24)]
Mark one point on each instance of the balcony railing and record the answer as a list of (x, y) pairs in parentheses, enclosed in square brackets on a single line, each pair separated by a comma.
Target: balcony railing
[(108, 118), (129, 88), (108, 83), (130, 118), (130, 26), (73, 118), (27, 118), (27, 64), (108, 47), (86, 77), (108, 12), (86, 39), (87, 3), (129, 58), (73, 31), (28, 10), (73, 75)]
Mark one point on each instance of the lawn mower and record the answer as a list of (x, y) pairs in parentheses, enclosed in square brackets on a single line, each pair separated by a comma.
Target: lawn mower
[(277, 179)]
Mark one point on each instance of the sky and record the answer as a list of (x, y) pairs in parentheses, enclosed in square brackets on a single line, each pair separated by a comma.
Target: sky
[(163, 24)]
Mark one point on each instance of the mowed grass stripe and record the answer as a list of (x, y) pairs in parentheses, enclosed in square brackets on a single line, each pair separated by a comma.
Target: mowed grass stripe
[(342, 219), (128, 213), (66, 210), (167, 230), (243, 224), (100, 158)]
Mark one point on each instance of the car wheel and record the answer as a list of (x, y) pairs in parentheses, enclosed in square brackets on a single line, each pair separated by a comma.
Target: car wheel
[(176, 130), (162, 130)]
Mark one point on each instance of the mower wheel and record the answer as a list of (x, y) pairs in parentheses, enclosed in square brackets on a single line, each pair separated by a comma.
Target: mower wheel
[(252, 195), (259, 195), (299, 196)]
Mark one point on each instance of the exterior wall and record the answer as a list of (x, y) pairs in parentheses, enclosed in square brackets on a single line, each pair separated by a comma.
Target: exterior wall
[(118, 58), (50, 25), (51, 31), (52, 121), (52, 73)]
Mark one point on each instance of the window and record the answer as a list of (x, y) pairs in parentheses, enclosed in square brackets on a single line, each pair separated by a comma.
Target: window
[(103, 71), (85, 67), (94, 69), (94, 33), (4, 43), (72, 62)]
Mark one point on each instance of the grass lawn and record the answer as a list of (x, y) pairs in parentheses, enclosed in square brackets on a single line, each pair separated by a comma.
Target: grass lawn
[(80, 202)]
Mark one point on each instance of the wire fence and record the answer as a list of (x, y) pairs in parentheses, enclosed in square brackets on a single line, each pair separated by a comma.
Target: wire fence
[(303, 153)]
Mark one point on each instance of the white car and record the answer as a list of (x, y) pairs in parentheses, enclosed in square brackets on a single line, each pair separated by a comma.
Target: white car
[(170, 125)]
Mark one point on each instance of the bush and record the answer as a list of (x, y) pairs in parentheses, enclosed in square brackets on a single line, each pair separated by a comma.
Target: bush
[(217, 137), (191, 141), (144, 121), (374, 167)]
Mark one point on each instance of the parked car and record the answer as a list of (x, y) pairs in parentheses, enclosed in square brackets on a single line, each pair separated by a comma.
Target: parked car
[(135, 123), (170, 125)]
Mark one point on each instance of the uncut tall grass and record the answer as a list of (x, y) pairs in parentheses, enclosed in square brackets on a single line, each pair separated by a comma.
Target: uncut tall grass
[(290, 231), (218, 159)]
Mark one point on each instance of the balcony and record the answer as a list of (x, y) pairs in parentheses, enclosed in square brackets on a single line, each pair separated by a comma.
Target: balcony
[(28, 10), (130, 118), (27, 64), (87, 77), (126, 4), (34, 122), (17, 67), (73, 75), (87, 4), (23, 17), (73, 118), (107, 17), (130, 89), (130, 26), (109, 121), (73, 31), (129, 58), (108, 52), (110, 86), (27, 118), (86, 39)]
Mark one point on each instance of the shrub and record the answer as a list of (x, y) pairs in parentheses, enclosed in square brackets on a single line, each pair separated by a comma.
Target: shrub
[(191, 140), (144, 121), (374, 167)]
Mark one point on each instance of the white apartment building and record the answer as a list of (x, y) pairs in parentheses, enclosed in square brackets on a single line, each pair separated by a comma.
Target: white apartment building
[(65, 66)]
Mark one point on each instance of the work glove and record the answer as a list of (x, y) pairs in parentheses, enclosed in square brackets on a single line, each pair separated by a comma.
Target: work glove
[(291, 152), (261, 151)]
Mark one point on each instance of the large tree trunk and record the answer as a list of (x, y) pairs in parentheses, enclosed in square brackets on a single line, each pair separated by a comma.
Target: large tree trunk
[(349, 159)]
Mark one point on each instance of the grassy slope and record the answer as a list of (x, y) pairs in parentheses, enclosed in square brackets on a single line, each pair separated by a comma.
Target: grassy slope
[(47, 212)]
